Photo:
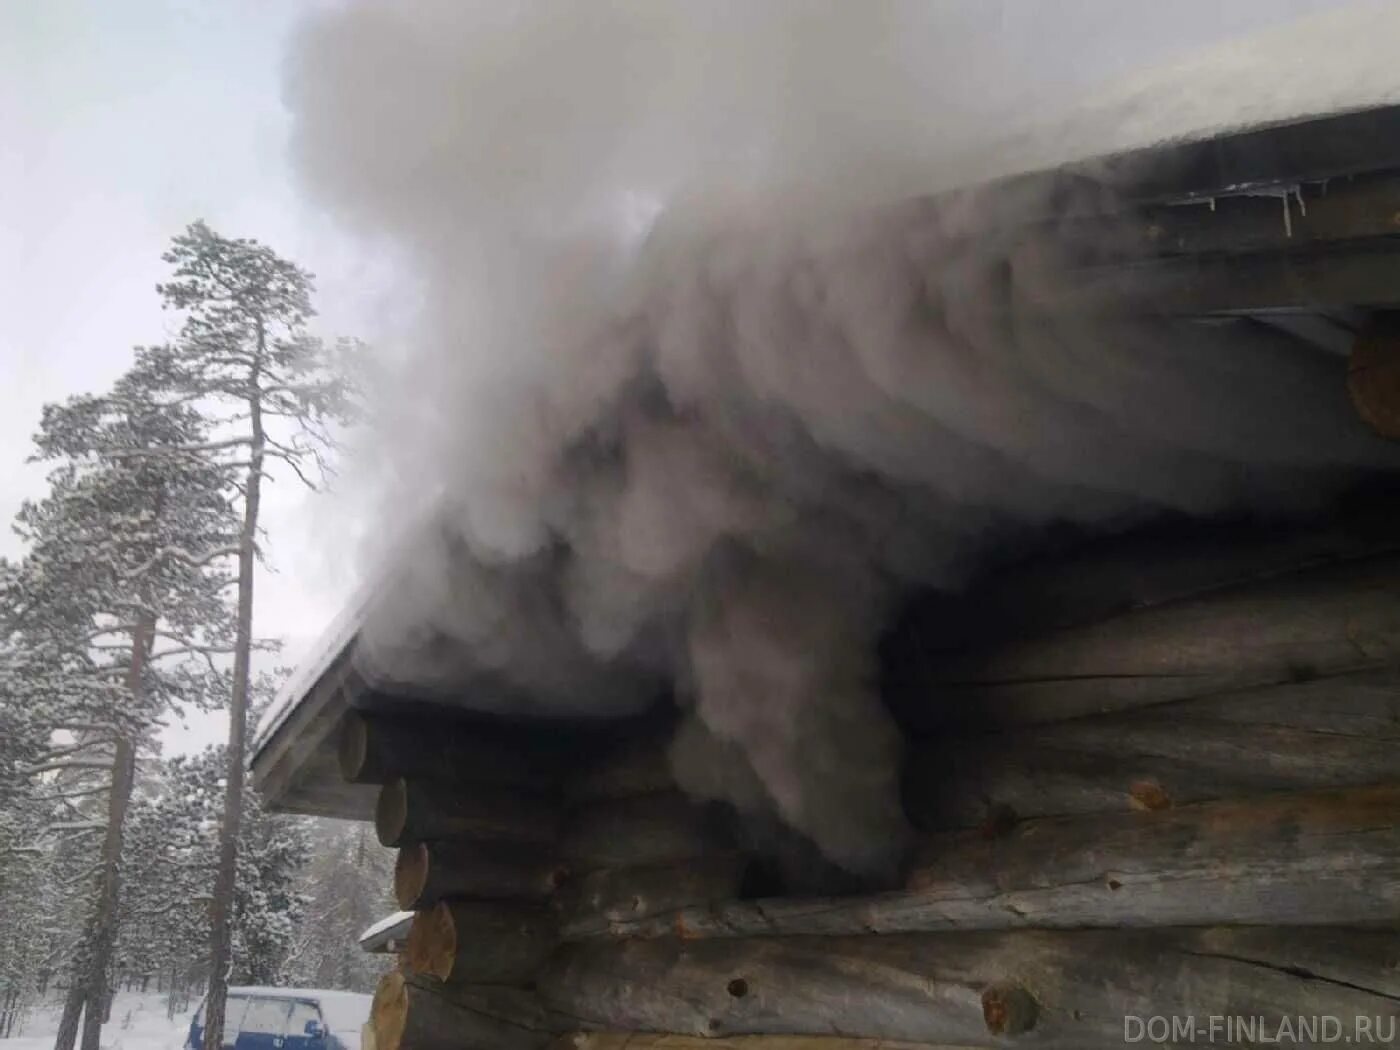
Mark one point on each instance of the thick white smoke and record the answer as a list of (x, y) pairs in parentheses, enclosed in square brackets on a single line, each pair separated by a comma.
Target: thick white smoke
[(700, 392)]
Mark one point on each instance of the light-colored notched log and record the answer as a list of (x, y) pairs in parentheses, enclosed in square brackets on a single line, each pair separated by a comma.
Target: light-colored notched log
[(1067, 990), (1315, 623), (1331, 857), (1317, 734)]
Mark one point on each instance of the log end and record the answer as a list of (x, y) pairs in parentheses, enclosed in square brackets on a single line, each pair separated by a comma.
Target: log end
[(418, 947), (410, 875), (442, 955), (353, 752), (1373, 376), (388, 1014), (391, 813)]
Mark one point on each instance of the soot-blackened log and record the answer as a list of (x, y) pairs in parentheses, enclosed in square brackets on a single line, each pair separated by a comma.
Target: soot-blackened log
[(427, 872), (1308, 735), (648, 829), (1315, 623), (488, 942), (376, 749), (412, 1014), (419, 810), (639, 768), (612, 897), (933, 988)]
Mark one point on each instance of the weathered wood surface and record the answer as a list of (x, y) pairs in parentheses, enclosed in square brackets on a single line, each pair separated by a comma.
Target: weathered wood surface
[(670, 1041), (1289, 860), (492, 942), (601, 900), (1314, 623), (427, 872), (1325, 733), (418, 811), (376, 749), (931, 988), (411, 1014), (646, 829)]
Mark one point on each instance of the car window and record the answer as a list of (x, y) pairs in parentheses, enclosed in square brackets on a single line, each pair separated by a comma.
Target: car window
[(233, 1017), (265, 1017), (301, 1014)]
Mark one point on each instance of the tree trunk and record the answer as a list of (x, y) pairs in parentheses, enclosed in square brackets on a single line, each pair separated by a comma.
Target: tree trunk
[(72, 1015), (221, 908), (103, 929)]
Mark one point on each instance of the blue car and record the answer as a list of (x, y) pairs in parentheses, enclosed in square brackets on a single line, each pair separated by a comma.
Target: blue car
[(287, 1019)]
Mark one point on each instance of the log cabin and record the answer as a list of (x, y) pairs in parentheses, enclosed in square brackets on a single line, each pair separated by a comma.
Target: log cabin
[(1154, 775)]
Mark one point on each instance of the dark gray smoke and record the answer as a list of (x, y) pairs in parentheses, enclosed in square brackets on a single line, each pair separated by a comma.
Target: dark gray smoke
[(702, 389)]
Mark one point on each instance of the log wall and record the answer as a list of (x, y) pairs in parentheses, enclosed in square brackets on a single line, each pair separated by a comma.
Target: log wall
[(1188, 810)]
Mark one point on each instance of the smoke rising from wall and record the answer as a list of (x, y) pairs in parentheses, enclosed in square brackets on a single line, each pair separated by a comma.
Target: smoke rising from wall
[(700, 391)]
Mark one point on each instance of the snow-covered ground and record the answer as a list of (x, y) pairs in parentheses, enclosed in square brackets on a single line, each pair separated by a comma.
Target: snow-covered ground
[(139, 1022)]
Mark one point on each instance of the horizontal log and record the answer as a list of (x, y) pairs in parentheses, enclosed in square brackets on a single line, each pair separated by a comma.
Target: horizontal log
[(671, 1041), (639, 768), (612, 897), (427, 872), (408, 1014), (1324, 733), (1289, 860), (1314, 623), (647, 829), (950, 988), (377, 749), (418, 810), (481, 942)]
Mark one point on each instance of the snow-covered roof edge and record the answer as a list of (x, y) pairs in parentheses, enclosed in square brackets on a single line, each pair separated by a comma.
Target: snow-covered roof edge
[(390, 928)]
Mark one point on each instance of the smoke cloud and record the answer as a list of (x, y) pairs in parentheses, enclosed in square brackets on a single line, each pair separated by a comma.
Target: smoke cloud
[(706, 382)]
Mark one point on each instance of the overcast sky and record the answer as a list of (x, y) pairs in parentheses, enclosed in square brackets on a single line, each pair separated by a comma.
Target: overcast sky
[(122, 123), (124, 120)]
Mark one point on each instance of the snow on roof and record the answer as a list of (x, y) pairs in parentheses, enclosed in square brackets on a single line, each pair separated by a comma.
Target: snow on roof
[(342, 1011), (385, 929), (335, 640), (340, 634), (1334, 62)]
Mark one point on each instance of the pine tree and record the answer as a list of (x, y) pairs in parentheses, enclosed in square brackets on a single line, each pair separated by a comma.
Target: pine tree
[(346, 885), (244, 352), (119, 592)]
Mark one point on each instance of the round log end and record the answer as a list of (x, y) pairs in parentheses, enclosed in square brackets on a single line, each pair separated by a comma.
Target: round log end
[(1373, 376), (418, 947), (444, 955), (391, 812), (410, 875), (388, 1014), (353, 751), (1008, 1009)]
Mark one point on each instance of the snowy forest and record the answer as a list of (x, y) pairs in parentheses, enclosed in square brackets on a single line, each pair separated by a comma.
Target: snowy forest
[(122, 867)]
